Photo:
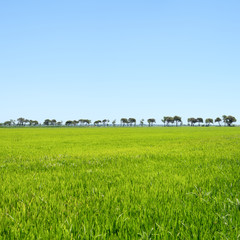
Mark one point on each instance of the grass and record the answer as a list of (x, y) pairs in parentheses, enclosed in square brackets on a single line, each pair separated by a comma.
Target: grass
[(120, 183)]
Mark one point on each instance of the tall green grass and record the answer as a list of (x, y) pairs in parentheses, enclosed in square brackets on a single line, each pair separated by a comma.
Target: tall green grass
[(120, 183)]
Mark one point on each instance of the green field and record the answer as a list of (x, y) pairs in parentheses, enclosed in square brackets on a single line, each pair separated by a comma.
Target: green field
[(120, 183)]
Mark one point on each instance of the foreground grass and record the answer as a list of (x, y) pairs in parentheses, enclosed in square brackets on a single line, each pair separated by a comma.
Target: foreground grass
[(120, 183)]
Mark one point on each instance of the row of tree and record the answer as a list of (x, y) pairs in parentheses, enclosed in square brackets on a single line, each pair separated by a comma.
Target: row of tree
[(227, 120)]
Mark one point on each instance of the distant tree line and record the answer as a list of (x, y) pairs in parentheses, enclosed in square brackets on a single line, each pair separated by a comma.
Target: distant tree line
[(171, 120), (167, 121), (227, 120)]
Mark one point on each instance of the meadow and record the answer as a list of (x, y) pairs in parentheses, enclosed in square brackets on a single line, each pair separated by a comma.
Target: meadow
[(120, 183)]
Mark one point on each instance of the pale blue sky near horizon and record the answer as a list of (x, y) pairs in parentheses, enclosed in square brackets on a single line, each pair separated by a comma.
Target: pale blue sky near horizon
[(110, 59)]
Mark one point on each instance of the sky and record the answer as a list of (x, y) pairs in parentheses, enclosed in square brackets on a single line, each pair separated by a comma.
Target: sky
[(94, 59)]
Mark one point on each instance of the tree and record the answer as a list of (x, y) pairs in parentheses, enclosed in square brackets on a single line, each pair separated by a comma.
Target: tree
[(169, 120), (26, 121), (21, 121), (84, 121), (199, 120), (224, 117), (47, 122), (75, 122), (177, 119), (12, 122), (59, 123), (151, 121), (209, 121), (230, 119), (218, 120), (142, 122), (53, 122), (114, 122), (104, 121), (96, 123), (7, 123), (68, 123), (124, 121), (132, 121), (87, 121), (192, 121), (35, 123), (164, 120)]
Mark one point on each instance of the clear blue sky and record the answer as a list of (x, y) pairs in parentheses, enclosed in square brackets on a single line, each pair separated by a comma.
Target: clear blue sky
[(112, 59)]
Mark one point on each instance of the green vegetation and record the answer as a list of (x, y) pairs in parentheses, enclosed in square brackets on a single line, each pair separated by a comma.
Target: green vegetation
[(120, 183)]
